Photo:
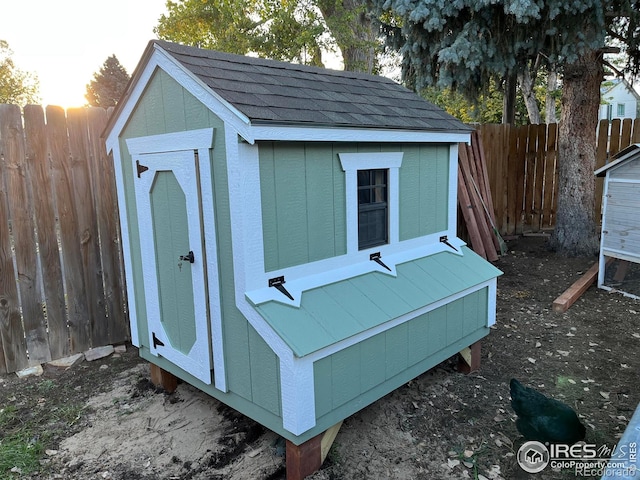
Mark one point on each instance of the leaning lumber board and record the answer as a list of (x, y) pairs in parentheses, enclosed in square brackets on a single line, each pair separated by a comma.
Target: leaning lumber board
[(571, 294), (469, 217), (478, 209)]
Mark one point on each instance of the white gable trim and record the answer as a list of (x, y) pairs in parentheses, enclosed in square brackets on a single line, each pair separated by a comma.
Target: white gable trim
[(171, 142), (160, 59), (296, 375)]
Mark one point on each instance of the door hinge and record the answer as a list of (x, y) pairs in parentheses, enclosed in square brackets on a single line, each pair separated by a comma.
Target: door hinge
[(278, 283), (156, 341), (141, 168), (376, 258), (444, 239)]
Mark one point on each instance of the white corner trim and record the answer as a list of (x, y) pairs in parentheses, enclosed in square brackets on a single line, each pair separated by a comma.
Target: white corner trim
[(126, 244), (492, 301), (452, 219), (171, 142), (297, 390)]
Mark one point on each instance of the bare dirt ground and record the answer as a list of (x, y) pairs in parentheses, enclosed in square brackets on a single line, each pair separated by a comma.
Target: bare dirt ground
[(441, 425)]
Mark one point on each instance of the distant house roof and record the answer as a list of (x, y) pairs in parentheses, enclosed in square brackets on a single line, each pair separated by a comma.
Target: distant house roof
[(269, 92), (608, 85)]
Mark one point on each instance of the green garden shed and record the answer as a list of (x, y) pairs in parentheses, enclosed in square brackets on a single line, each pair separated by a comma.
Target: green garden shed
[(289, 234)]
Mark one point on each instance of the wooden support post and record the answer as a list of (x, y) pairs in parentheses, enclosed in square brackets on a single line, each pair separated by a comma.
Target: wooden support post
[(469, 358), (621, 271), (306, 458), (162, 378)]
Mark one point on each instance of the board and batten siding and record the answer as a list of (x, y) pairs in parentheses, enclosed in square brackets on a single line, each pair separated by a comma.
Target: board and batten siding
[(424, 190), (253, 372), (303, 195), (621, 231), (351, 378)]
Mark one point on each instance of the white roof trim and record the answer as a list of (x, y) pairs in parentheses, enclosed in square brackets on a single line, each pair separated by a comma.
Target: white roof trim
[(350, 134), (621, 157)]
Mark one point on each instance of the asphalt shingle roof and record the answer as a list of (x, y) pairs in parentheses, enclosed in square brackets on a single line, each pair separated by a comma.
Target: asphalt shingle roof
[(271, 92)]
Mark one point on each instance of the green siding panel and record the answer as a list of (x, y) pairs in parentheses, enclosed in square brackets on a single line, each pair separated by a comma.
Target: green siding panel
[(322, 383), (372, 363), (345, 375), (303, 203), (386, 360), (396, 350), (424, 190), (265, 374)]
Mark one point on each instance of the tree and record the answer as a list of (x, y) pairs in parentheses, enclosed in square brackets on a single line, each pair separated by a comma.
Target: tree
[(467, 43), (16, 86), (288, 30), (108, 84)]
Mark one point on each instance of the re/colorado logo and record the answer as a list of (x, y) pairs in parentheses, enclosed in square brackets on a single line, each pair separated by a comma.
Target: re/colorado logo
[(533, 457)]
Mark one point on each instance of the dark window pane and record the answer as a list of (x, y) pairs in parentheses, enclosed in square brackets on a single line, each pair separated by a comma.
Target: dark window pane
[(372, 208)]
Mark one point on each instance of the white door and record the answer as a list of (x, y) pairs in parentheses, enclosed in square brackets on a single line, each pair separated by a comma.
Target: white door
[(168, 198)]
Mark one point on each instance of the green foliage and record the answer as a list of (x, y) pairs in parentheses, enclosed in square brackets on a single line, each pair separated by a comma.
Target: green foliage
[(283, 30), (486, 108), (16, 87), (467, 43), (108, 84)]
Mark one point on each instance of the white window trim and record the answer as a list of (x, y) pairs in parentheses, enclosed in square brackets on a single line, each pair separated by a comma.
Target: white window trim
[(351, 163)]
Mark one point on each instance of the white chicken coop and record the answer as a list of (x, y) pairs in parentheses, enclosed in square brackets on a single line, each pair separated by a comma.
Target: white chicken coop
[(619, 263)]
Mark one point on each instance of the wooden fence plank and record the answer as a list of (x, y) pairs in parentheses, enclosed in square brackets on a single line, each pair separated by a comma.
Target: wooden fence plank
[(51, 269), (88, 246), (77, 307), (602, 148), (21, 215), (14, 347), (549, 197), (635, 131), (614, 137), (625, 136), (540, 132), (105, 200)]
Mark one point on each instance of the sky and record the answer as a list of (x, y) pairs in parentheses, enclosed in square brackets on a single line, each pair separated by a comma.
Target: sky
[(64, 42)]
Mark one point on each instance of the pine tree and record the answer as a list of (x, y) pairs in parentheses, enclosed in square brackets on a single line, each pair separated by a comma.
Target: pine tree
[(108, 84), (467, 43)]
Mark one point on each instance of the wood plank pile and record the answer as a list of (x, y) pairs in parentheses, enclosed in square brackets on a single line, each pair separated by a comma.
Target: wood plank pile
[(474, 198)]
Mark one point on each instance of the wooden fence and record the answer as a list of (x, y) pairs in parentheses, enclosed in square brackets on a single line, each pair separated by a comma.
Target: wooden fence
[(521, 163), (61, 277)]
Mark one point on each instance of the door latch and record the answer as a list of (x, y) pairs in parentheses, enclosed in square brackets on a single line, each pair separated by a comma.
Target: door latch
[(188, 257)]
